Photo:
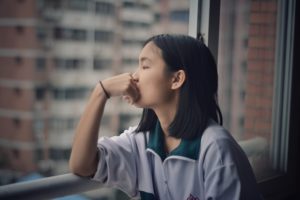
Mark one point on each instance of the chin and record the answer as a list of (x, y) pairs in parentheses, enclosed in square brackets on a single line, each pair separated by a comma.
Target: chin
[(140, 104), (137, 106)]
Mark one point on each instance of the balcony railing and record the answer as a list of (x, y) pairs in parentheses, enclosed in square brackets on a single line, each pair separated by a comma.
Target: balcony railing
[(67, 184), (48, 188)]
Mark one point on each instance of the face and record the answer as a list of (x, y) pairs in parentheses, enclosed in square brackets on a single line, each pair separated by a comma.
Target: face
[(153, 79)]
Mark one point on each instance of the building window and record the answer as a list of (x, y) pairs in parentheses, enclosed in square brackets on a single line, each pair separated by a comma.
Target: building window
[(242, 94), (61, 33), (17, 122), (135, 5), (129, 4), (59, 94), (157, 17), (70, 34), (18, 59), (134, 24), (80, 5), (40, 93), (60, 154), (69, 63), (18, 91), (75, 93), (105, 8), (69, 93), (16, 153), (39, 154), (40, 64), (79, 35), (54, 4), (100, 64), (60, 124), (103, 36), (180, 16), (38, 126), (130, 61), (41, 33), (20, 29), (133, 42)]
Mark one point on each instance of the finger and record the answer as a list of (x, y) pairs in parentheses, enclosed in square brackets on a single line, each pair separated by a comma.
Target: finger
[(134, 77), (134, 92), (135, 87), (128, 99), (125, 97), (137, 96)]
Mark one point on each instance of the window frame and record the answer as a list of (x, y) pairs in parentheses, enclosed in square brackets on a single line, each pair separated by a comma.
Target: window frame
[(204, 18)]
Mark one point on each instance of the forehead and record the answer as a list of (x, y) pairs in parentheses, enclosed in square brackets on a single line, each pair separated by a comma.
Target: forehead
[(150, 51)]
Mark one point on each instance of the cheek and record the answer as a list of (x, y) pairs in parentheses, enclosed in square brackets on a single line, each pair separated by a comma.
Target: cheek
[(151, 82), (154, 89)]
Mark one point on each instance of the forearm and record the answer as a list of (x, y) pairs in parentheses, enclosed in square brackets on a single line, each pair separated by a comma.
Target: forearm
[(83, 159)]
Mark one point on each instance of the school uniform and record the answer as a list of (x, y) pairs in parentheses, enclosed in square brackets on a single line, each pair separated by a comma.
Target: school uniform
[(211, 167)]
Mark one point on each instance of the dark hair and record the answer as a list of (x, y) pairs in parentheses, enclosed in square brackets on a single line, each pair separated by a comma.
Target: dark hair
[(198, 96)]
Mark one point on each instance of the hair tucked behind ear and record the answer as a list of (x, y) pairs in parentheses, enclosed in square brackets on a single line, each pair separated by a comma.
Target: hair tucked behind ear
[(198, 95)]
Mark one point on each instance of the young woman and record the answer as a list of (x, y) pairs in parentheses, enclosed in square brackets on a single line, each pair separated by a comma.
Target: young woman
[(179, 150)]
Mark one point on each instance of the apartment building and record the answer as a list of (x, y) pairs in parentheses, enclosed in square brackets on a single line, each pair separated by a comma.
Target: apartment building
[(52, 53)]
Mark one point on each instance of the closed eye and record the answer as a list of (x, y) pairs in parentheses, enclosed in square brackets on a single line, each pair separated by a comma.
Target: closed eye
[(145, 67)]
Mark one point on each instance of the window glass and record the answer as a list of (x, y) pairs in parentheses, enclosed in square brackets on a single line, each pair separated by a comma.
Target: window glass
[(104, 8), (80, 5), (246, 61), (40, 64), (72, 44)]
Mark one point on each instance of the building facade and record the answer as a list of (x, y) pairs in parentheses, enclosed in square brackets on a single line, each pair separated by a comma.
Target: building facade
[(52, 53)]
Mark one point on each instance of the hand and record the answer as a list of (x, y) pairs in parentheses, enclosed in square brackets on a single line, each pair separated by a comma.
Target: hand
[(122, 85)]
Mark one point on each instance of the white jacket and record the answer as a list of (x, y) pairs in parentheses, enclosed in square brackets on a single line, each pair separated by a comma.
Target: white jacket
[(212, 167)]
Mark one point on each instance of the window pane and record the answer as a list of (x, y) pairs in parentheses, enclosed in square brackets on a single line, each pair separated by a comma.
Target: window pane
[(246, 61), (55, 64)]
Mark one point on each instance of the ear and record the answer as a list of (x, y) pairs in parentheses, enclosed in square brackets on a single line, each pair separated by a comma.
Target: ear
[(178, 79)]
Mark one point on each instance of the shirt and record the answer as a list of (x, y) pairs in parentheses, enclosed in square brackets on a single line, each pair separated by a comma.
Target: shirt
[(211, 167)]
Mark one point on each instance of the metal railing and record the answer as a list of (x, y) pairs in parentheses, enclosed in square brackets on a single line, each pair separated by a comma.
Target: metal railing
[(62, 185), (48, 188)]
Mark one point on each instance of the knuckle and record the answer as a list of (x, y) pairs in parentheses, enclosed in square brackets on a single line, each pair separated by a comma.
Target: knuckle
[(126, 87), (127, 74)]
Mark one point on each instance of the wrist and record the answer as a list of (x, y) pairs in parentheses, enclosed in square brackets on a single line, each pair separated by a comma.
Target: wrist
[(107, 95)]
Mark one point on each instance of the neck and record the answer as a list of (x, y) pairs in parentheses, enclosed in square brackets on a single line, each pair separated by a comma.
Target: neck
[(165, 120), (166, 115)]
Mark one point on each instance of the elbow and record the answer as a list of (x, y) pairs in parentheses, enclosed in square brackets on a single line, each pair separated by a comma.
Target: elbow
[(82, 165), (75, 169), (81, 170)]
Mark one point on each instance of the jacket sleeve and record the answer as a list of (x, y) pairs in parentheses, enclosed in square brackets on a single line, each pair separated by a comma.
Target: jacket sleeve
[(117, 165), (227, 173), (223, 183)]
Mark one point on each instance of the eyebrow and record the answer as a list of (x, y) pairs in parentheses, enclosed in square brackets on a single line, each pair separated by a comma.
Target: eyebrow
[(144, 59)]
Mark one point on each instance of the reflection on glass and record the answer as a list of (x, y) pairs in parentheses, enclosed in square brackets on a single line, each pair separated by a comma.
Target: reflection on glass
[(52, 53), (246, 66)]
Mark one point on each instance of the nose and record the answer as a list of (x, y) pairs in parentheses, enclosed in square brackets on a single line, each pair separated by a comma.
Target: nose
[(135, 76)]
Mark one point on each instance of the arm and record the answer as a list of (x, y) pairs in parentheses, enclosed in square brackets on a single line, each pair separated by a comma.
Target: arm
[(228, 174), (83, 160)]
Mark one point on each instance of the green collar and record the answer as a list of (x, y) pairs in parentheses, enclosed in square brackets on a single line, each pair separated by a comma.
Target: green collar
[(186, 148)]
